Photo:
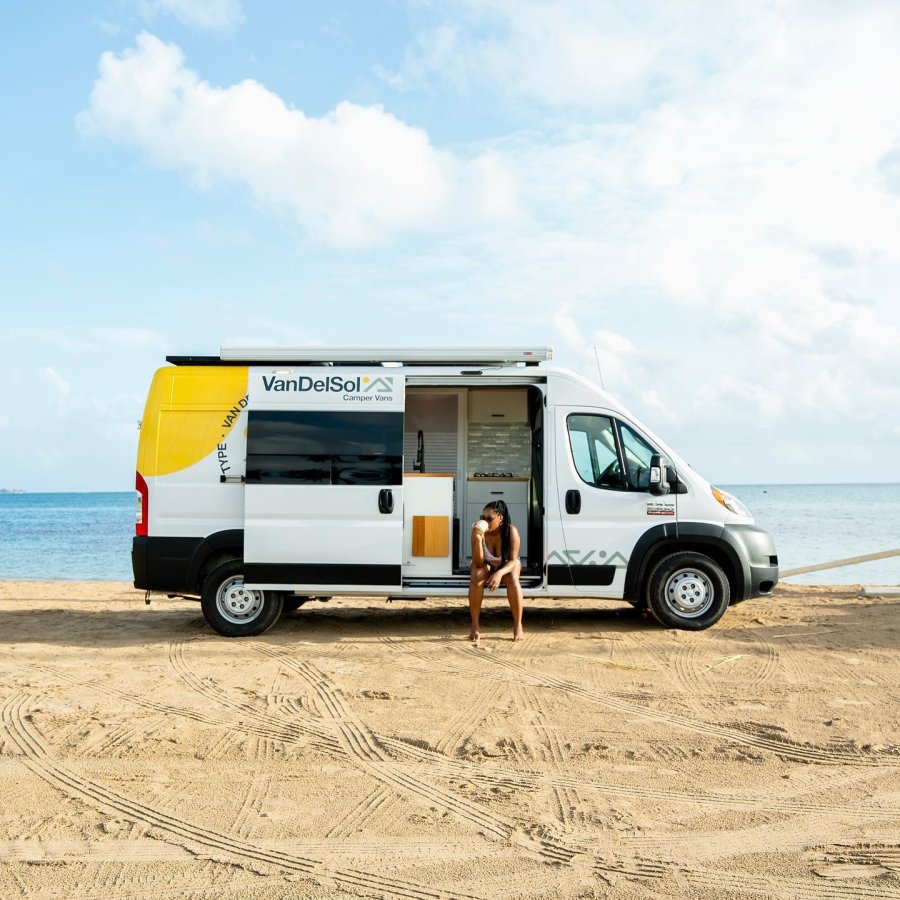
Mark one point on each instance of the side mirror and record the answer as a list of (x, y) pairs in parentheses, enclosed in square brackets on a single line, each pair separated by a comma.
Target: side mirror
[(659, 475)]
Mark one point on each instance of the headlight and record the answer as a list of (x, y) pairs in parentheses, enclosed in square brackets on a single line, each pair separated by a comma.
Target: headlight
[(731, 503)]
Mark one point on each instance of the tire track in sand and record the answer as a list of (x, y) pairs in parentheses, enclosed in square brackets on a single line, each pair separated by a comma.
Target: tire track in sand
[(534, 711), (491, 774), (752, 736), (369, 749), (373, 804), (361, 744), (523, 780), (697, 670), (36, 756), (486, 697), (253, 719), (303, 732), (714, 883), (885, 855)]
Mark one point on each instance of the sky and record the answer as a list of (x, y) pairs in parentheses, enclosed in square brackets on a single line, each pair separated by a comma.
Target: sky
[(697, 203)]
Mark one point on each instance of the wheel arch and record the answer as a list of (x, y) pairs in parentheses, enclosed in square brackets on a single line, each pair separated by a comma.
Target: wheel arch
[(213, 550), (698, 537)]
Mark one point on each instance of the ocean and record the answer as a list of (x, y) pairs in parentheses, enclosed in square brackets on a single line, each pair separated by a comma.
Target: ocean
[(87, 537)]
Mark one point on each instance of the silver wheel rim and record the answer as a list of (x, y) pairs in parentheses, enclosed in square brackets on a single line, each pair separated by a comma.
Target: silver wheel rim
[(237, 604), (689, 593)]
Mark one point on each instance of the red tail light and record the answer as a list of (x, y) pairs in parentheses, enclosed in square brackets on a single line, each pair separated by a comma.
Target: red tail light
[(143, 506)]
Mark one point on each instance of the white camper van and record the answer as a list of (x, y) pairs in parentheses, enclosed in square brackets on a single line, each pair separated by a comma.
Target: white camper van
[(268, 477)]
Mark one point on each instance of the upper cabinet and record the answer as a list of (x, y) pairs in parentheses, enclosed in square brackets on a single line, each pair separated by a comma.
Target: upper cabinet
[(498, 407)]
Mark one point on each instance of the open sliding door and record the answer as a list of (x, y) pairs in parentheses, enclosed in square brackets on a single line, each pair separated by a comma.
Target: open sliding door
[(323, 502)]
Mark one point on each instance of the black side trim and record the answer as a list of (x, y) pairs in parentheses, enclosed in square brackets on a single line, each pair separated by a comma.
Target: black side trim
[(593, 576), (139, 562), (174, 564), (634, 577), (231, 540), (168, 563), (559, 575), (581, 576), (313, 573)]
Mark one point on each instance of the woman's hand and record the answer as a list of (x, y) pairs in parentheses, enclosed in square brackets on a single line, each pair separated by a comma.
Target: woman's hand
[(494, 581)]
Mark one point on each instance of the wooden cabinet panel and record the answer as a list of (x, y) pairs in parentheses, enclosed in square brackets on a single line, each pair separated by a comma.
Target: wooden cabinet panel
[(499, 407), (431, 536)]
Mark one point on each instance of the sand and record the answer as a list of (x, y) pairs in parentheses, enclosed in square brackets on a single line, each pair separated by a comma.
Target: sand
[(366, 749)]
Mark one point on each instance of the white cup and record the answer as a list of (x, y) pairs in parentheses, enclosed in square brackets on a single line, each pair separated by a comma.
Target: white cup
[(481, 526)]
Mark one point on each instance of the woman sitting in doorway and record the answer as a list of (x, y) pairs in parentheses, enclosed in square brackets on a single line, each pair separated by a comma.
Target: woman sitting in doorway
[(495, 561)]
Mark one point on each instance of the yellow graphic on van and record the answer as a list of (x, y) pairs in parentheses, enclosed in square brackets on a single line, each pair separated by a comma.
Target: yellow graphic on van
[(190, 411)]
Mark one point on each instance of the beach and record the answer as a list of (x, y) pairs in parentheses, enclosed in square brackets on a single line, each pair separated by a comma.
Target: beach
[(365, 748)]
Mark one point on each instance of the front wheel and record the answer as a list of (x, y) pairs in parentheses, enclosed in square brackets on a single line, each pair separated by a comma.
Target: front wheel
[(232, 609), (688, 590)]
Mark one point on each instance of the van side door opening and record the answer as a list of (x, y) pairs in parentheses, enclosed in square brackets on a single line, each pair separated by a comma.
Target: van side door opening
[(490, 440)]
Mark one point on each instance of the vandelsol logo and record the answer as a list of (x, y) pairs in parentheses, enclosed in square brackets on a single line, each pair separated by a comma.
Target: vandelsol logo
[(333, 384)]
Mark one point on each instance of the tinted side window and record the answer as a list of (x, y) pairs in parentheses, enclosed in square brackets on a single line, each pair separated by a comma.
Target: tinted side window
[(593, 442), (312, 447)]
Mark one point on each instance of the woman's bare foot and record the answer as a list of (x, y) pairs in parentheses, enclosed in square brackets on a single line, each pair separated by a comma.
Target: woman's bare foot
[(519, 634), (474, 635)]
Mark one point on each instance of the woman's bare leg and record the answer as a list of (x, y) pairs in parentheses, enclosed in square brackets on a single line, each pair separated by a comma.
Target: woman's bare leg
[(476, 595), (516, 601)]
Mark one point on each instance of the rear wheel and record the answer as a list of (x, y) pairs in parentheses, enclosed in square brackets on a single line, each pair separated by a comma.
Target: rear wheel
[(232, 609), (688, 590)]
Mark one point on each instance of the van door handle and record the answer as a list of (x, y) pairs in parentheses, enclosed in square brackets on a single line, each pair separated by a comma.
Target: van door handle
[(385, 501), (573, 502)]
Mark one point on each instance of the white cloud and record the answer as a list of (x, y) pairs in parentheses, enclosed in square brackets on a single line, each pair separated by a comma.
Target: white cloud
[(56, 380), (738, 224), (576, 53), (209, 14), (497, 189), (351, 177), (608, 357)]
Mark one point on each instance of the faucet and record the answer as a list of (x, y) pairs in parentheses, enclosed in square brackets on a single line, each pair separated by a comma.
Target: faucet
[(419, 464)]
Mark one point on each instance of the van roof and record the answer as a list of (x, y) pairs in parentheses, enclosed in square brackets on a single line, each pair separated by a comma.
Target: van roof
[(444, 356)]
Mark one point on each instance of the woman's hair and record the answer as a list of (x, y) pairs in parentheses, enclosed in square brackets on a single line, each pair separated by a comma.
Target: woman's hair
[(499, 506)]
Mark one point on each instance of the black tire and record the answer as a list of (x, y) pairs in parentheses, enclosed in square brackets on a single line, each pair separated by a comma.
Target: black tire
[(688, 591), (231, 609)]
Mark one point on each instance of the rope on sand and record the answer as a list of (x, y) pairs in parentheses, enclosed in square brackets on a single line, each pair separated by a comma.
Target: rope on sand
[(836, 564)]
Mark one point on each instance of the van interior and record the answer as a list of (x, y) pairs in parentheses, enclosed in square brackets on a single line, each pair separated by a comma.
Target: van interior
[(477, 444)]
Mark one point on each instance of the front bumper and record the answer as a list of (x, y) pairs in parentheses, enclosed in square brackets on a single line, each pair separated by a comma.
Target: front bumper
[(756, 550)]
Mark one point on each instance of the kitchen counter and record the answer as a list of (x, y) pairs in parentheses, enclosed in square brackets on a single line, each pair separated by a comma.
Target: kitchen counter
[(494, 478)]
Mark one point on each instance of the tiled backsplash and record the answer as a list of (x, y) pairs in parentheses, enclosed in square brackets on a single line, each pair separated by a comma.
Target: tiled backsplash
[(499, 448)]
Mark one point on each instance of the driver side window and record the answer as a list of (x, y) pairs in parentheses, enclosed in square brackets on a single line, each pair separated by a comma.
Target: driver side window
[(593, 443), (637, 453)]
